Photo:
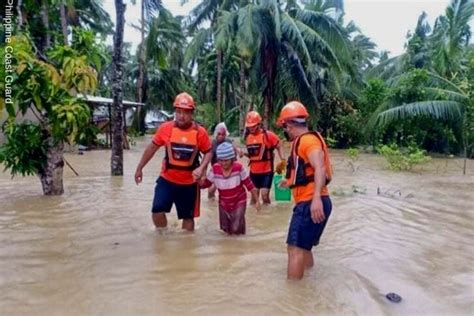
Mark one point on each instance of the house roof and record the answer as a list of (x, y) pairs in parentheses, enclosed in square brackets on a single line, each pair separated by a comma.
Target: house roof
[(102, 100)]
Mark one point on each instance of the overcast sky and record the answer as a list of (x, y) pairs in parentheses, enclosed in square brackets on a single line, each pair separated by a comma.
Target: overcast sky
[(386, 22)]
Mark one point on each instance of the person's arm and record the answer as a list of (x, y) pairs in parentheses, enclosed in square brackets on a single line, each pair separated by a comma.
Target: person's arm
[(276, 143), (201, 170), (250, 187), (279, 151), (206, 182), (316, 159), (205, 147), (238, 152), (147, 155)]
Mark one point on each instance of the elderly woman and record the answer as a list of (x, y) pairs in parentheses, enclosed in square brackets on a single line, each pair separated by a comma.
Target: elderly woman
[(221, 135)]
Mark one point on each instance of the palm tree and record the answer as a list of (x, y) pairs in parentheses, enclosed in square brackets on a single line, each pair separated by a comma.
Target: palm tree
[(302, 43), (149, 8), (457, 107), (117, 92), (451, 35), (211, 11)]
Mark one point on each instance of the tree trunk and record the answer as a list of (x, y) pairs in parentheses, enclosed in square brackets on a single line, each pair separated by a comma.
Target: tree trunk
[(269, 71), (20, 14), (52, 175), (141, 65), (219, 84), (243, 97), (46, 43), (117, 92), (62, 10)]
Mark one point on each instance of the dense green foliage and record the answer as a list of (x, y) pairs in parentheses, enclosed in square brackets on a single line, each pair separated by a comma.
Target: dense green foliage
[(235, 56)]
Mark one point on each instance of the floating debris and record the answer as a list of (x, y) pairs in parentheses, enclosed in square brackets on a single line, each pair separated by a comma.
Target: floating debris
[(394, 297)]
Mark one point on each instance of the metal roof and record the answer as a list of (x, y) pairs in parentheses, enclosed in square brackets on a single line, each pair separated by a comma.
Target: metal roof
[(102, 100)]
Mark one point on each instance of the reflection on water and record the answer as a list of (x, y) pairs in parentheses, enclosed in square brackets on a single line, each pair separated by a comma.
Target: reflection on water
[(94, 250)]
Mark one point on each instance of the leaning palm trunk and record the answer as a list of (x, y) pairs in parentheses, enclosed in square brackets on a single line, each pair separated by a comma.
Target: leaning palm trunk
[(51, 175), (117, 91)]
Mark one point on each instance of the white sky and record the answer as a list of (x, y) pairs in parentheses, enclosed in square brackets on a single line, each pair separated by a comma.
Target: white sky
[(386, 22)]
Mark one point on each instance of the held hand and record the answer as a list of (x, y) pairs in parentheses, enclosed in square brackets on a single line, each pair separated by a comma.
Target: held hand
[(138, 176), (317, 212), (201, 182), (283, 184), (258, 206), (197, 173)]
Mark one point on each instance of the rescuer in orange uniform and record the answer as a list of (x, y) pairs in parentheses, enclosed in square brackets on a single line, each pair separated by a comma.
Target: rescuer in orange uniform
[(183, 140), (308, 173)]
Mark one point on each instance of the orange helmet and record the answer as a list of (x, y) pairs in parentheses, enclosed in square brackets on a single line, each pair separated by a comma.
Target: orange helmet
[(293, 109), (184, 101), (252, 119)]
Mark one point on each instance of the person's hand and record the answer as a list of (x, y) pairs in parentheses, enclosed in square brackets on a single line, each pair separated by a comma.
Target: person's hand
[(197, 173), (201, 182), (258, 206), (280, 167), (317, 212), (138, 176), (283, 184)]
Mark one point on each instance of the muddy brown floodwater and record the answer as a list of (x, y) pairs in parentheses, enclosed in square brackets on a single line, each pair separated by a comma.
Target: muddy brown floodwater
[(94, 251)]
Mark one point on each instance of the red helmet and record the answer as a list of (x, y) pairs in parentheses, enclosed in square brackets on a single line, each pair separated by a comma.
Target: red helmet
[(184, 101), (293, 109), (252, 119)]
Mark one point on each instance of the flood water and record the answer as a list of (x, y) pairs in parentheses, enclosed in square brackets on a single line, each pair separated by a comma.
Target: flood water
[(94, 251)]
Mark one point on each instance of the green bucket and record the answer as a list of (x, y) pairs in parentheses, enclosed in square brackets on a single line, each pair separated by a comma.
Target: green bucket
[(281, 194)]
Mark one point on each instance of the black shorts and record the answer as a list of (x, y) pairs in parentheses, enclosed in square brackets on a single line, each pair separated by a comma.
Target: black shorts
[(262, 180), (303, 232), (186, 198)]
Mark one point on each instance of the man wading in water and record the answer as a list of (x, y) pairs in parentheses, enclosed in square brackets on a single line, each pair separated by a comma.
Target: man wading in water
[(183, 140), (308, 173)]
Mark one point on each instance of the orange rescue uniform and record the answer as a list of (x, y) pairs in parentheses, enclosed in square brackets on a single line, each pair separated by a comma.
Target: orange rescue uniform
[(182, 150)]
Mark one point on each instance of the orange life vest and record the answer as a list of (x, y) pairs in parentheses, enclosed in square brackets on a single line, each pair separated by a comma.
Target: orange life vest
[(182, 149), (299, 172), (257, 149)]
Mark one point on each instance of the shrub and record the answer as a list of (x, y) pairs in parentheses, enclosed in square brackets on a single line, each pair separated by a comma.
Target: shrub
[(403, 159)]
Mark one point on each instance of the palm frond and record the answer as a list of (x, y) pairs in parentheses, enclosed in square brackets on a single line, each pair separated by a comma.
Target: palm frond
[(446, 110)]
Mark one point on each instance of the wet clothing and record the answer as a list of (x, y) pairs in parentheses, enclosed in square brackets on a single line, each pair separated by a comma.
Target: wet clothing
[(303, 232), (232, 195), (233, 222), (182, 150), (167, 193), (299, 160), (262, 180), (260, 148)]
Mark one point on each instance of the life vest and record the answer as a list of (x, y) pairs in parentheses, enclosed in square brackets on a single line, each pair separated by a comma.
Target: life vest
[(182, 149), (299, 172), (257, 149)]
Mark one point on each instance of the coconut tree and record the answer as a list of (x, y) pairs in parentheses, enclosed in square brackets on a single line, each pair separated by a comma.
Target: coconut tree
[(302, 42), (210, 11), (149, 9), (117, 92), (451, 101), (451, 36)]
